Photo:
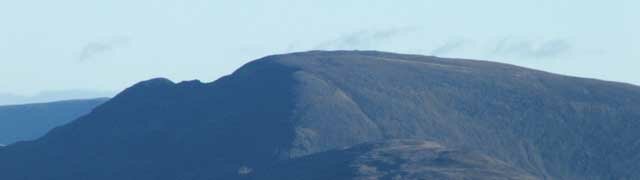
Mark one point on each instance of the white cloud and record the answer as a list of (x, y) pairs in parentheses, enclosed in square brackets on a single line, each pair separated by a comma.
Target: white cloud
[(535, 49), (365, 39), (93, 49)]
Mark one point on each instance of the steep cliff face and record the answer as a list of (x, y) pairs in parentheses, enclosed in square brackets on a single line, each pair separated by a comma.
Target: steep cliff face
[(287, 107)]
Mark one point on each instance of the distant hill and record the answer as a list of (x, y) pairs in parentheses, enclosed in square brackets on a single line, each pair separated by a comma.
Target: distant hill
[(31, 121), (51, 96), (317, 108)]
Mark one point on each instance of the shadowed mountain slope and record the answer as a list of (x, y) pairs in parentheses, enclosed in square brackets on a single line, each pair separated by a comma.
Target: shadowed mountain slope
[(290, 106), (395, 159), (30, 121)]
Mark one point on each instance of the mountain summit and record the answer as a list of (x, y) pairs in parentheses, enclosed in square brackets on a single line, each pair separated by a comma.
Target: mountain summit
[(507, 121)]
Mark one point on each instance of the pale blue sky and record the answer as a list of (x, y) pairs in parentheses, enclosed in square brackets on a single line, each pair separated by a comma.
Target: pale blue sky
[(108, 45)]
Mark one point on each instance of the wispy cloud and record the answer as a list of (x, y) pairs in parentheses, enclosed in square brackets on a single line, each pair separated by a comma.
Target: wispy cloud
[(532, 48), (448, 47), (364, 39), (94, 49)]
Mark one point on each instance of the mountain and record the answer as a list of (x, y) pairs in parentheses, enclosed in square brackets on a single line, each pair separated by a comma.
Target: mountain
[(51, 96), (281, 109), (395, 159), (31, 121)]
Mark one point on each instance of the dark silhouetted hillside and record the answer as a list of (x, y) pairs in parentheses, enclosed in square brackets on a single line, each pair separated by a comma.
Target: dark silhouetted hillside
[(284, 108), (31, 121)]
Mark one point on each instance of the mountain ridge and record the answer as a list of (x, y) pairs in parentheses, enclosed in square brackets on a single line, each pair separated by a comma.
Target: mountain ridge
[(290, 106), (26, 122)]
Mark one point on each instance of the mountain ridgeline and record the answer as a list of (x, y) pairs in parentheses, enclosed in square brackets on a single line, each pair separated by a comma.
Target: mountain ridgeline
[(349, 115), (31, 121)]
